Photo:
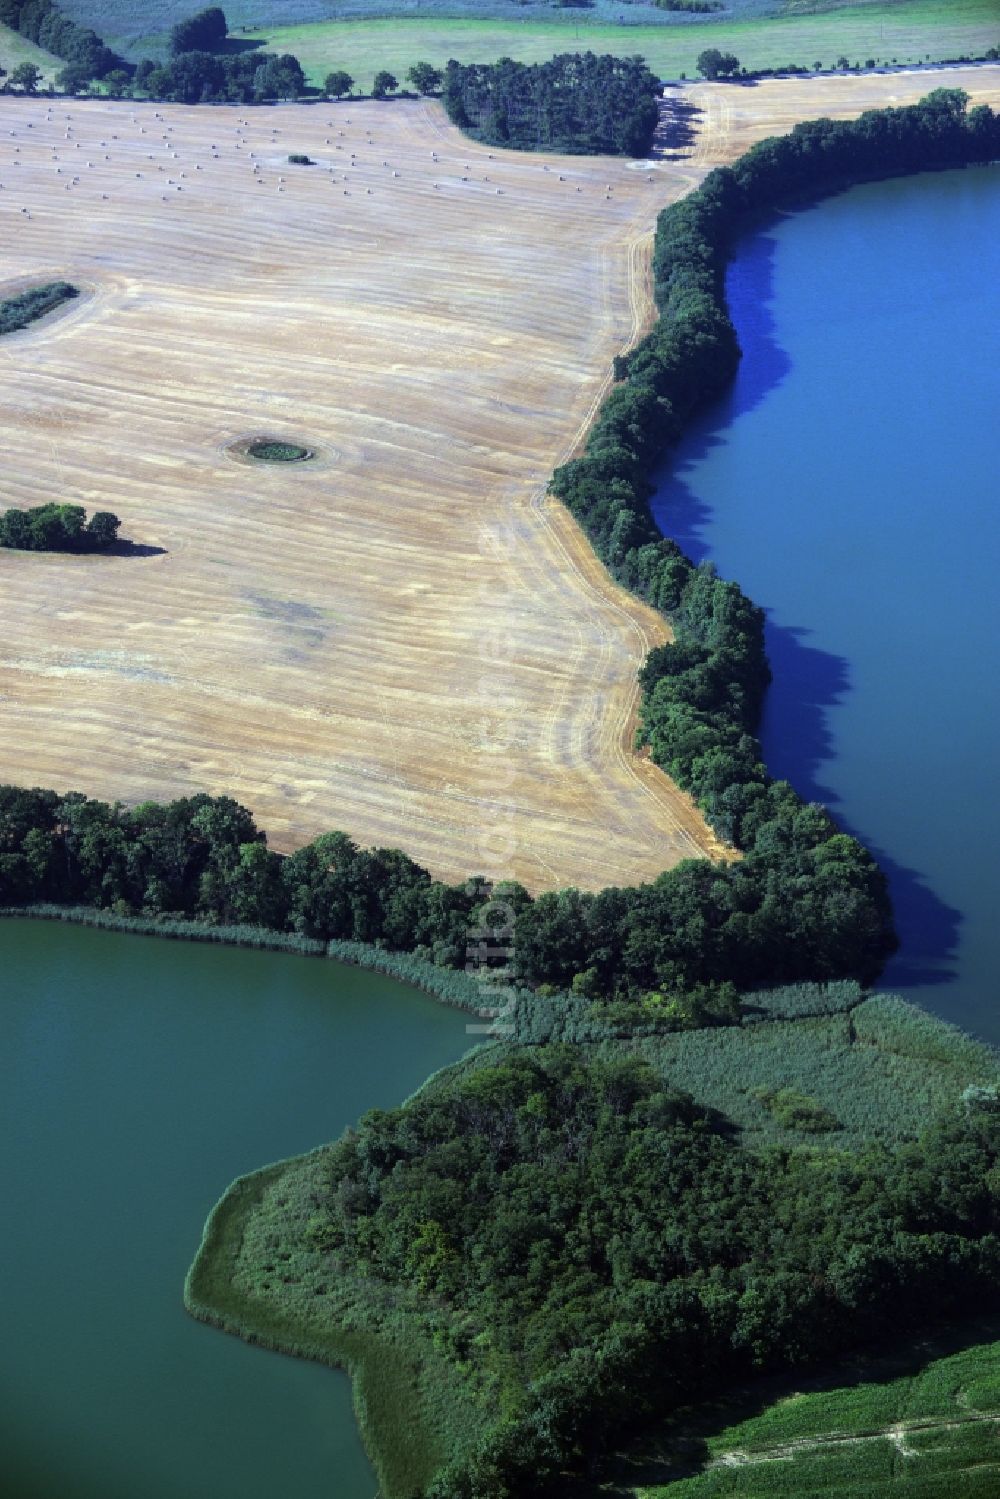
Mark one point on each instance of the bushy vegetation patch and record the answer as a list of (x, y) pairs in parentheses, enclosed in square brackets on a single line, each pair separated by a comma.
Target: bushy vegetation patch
[(58, 528), (269, 451), (577, 102), (794, 1110), (18, 311)]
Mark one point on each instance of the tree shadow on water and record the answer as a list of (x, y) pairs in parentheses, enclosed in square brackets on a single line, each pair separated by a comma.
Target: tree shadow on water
[(809, 683), (795, 730), (679, 510)]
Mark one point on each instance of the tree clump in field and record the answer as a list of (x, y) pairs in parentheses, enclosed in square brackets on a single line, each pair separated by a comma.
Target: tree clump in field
[(594, 1248), (426, 79), (17, 312), (58, 528), (714, 64), (299, 159), (576, 102), (267, 450), (338, 83), (202, 32)]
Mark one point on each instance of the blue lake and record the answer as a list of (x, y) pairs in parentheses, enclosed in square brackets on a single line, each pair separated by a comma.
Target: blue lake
[(850, 483)]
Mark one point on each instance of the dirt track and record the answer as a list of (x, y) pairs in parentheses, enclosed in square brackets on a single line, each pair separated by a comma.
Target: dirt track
[(401, 638)]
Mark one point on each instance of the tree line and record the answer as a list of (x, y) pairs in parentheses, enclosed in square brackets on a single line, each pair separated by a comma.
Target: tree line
[(576, 102), (58, 528), (198, 77), (702, 693), (198, 70), (822, 913)]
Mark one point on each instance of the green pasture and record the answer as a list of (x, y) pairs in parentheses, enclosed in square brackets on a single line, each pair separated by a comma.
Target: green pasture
[(15, 49), (928, 1431), (918, 32)]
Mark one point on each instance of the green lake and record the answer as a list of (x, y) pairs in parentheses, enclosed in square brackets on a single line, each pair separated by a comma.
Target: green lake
[(850, 483), (137, 1078)]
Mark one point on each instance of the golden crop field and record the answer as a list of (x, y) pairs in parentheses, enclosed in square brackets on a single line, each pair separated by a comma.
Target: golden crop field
[(403, 637)]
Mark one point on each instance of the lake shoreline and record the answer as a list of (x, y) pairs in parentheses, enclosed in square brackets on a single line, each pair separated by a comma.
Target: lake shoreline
[(403, 967)]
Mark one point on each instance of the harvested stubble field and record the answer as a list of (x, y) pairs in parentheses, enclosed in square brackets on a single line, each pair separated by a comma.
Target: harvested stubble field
[(401, 637)]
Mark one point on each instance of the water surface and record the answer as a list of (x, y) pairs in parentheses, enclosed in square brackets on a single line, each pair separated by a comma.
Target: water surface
[(137, 1078), (849, 482)]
